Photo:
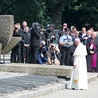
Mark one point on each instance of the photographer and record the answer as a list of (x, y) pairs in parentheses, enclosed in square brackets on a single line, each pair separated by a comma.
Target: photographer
[(16, 51), (53, 54), (50, 35), (35, 42), (42, 55), (42, 33)]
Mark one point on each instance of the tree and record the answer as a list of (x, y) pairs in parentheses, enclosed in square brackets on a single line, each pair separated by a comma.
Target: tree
[(74, 12), (82, 13), (56, 8), (43, 11)]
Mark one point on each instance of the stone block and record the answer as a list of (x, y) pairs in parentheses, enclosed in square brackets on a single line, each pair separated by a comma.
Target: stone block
[(6, 33), (10, 45), (47, 70), (0, 47), (6, 29)]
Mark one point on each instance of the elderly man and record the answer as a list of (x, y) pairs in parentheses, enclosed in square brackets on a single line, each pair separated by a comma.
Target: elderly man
[(79, 75), (92, 49)]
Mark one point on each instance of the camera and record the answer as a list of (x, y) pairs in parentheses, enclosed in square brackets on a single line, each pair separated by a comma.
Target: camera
[(15, 28), (52, 46), (43, 46)]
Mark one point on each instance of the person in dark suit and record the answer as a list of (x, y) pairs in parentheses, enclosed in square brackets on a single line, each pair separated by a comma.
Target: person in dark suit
[(92, 49), (35, 42), (50, 35), (83, 36), (16, 51), (21, 44), (26, 44)]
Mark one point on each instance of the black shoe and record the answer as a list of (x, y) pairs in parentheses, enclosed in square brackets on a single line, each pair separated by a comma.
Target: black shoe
[(73, 89)]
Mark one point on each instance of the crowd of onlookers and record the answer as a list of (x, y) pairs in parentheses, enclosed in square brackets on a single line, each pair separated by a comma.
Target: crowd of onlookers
[(42, 45)]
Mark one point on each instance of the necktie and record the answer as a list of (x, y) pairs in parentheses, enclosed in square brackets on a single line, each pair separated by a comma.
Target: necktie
[(67, 37)]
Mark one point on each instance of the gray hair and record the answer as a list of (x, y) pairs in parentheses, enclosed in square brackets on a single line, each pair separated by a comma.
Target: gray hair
[(77, 39)]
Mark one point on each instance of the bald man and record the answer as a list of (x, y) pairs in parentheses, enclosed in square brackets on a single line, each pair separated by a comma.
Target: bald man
[(92, 49)]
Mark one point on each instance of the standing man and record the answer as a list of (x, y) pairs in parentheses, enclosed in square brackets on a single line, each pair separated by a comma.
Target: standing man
[(92, 49), (50, 35), (35, 42), (79, 74), (65, 41), (22, 30), (16, 52), (26, 45), (83, 36), (64, 27)]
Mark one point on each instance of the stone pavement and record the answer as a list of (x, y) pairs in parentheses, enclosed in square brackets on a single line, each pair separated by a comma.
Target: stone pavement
[(20, 85), (92, 92)]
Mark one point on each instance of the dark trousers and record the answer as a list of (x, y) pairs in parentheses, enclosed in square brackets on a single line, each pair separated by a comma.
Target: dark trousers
[(19, 54), (34, 54), (22, 54), (16, 54), (26, 54), (42, 60), (65, 56)]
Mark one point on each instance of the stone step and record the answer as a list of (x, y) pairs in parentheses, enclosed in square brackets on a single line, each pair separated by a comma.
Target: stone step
[(30, 86), (36, 69)]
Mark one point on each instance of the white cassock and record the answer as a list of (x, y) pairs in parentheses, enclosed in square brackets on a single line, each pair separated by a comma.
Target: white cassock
[(79, 75)]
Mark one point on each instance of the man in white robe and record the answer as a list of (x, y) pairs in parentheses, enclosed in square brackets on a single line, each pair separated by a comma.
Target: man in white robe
[(79, 74)]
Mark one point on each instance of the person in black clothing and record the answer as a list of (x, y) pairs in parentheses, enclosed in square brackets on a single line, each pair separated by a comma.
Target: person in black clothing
[(15, 53), (71, 50), (21, 32), (50, 35), (26, 44), (83, 36), (35, 42), (92, 50), (42, 55)]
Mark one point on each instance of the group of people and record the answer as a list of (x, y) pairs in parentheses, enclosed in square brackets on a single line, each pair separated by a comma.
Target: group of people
[(38, 45), (88, 38), (81, 51), (72, 48)]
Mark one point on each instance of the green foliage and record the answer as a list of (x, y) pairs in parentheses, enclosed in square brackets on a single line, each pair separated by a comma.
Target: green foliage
[(32, 10), (47, 11), (86, 12)]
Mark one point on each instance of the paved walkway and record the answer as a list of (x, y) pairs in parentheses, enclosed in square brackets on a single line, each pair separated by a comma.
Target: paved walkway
[(92, 92), (19, 85)]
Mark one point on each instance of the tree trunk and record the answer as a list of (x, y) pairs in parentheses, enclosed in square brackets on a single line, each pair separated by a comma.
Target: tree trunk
[(57, 14)]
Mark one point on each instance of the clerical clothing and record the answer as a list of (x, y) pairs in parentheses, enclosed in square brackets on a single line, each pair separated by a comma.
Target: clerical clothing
[(79, 75), (92, 45)]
